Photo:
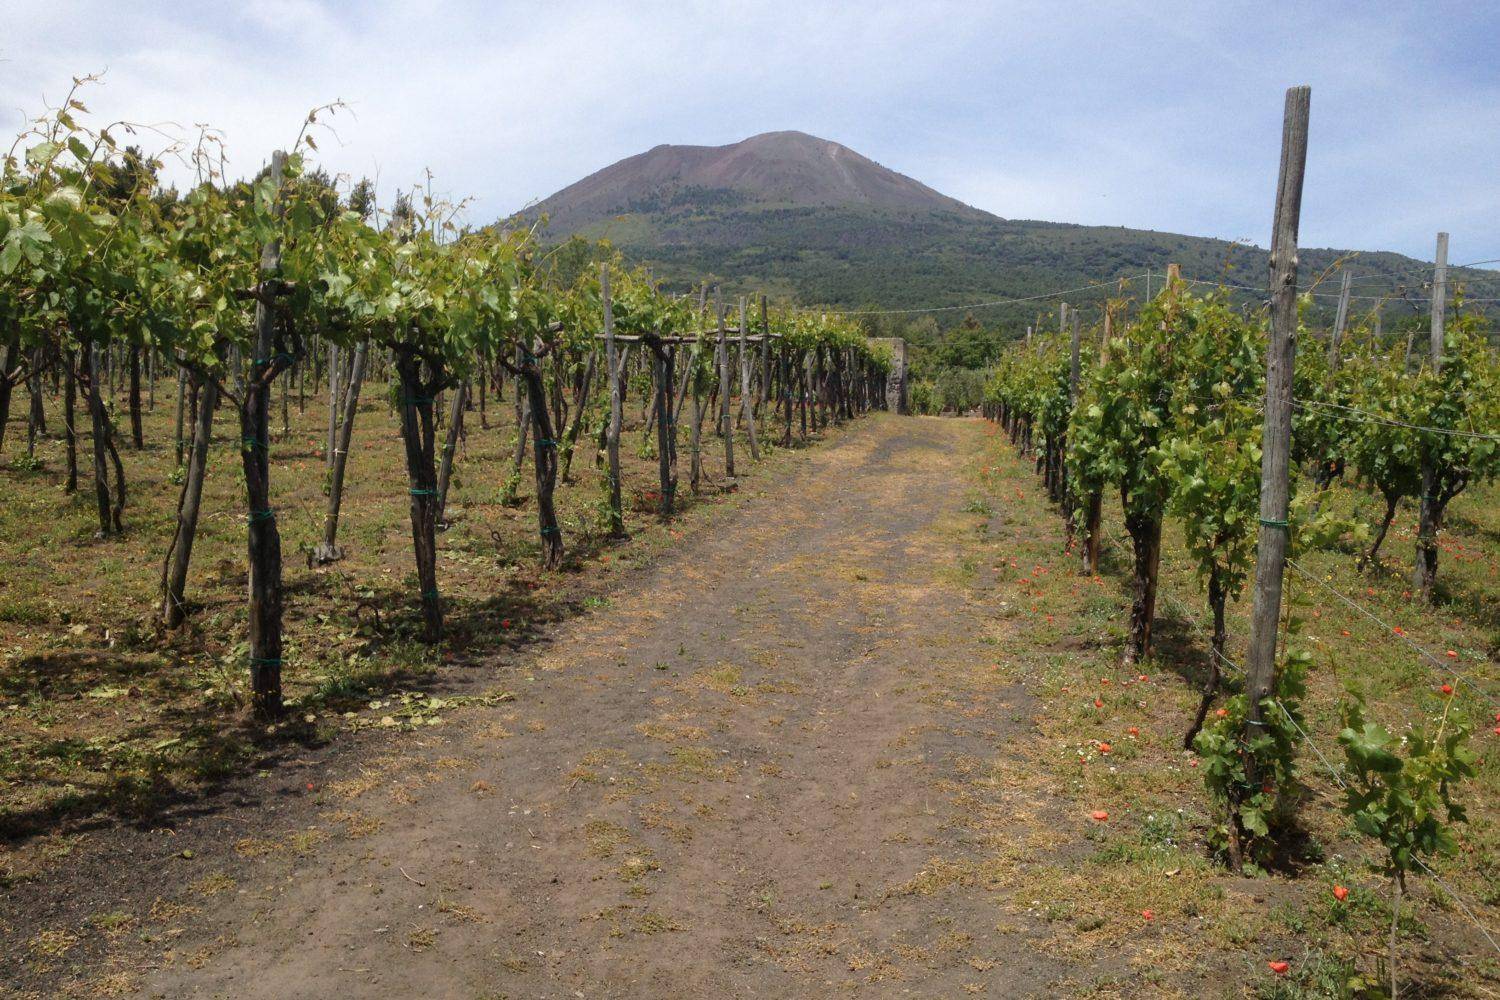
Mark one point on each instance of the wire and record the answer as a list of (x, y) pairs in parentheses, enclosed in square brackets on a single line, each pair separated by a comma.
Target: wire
[(1332, 295), (1339, 778), (1446, 670), (1092, 286), (1378, 419), (1312, 744)]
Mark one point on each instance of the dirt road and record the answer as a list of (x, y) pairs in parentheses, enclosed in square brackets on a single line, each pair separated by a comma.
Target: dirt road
[(757, 775)]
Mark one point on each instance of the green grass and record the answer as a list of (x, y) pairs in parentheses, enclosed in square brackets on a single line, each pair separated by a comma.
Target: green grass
[(1069, 631)]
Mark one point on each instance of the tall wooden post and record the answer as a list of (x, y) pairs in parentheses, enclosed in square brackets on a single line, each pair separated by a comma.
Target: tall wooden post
[(1340, 320), (1427, 523), (763, 391), (333, 401), (724, 388), (1094, 502), (1276, 437), (612, 439), (1070, 502), (747, 403)]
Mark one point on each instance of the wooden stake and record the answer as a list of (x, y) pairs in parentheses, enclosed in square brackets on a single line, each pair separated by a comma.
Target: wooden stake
[(747, 404), (1340, 319), (612, 439), (724, 421), (1270, 560), (1425, 571)]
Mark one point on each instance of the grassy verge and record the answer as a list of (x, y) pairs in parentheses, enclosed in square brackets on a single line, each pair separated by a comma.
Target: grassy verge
[(1148, 898)]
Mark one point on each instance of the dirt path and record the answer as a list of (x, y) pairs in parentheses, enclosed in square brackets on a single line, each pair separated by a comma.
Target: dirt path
[(758, 775)]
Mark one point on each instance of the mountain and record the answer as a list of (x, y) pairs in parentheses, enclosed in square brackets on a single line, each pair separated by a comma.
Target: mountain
[(813, 220), (782, 169)]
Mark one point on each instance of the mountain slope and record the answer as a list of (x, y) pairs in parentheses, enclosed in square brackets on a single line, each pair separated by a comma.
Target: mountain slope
[(815, 221)]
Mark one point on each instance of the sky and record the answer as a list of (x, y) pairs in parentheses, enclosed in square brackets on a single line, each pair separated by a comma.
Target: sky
[(1149, 115)]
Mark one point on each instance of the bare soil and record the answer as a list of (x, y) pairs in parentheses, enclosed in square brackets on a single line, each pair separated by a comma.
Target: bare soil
[(737, 780)]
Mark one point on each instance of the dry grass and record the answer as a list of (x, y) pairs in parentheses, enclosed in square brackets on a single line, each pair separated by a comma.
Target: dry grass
[(99, 710)]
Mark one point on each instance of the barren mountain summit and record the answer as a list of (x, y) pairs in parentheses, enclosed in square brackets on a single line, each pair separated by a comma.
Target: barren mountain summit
[(774, 168)]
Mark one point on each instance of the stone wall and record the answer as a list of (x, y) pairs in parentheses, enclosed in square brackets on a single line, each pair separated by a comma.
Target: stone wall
[(895, 386)]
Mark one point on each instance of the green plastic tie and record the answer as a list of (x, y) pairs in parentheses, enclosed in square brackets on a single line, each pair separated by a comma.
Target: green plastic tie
[(262, 515), (551, 531), (251, 442), (265, 659), (433, 594), (424, 493), (1274, 524)]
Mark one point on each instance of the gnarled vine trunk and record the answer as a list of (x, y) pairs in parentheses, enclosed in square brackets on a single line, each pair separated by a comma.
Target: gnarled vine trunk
[(1145, 537), (417, 433), (450, 446), (1217, 598), (180, 553), (544, 454)]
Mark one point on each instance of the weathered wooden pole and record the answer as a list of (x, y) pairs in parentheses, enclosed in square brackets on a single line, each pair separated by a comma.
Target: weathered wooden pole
[(1276, 437), (1340, 320), (724, 421), (1425, 572), (747, 402), (1070, 501), (1094, 502), (333, 402), (612, 438), (763, 391), (328, 550)]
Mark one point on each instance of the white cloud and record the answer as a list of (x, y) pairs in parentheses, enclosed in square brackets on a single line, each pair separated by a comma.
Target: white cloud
[(1134, 114)]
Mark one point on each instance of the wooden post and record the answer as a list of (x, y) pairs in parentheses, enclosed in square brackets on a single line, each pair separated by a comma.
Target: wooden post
[(450, 447), (666, 431), (1270, 559), (328, 551), (763, 391), (695, 473), (724, 421), (1069, 500), (1341, 318), (1107, 333), (747, 404), (1094, 502), (181, 408), (1427, 523), (612, 439), (1439, 299), (333, 401)]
